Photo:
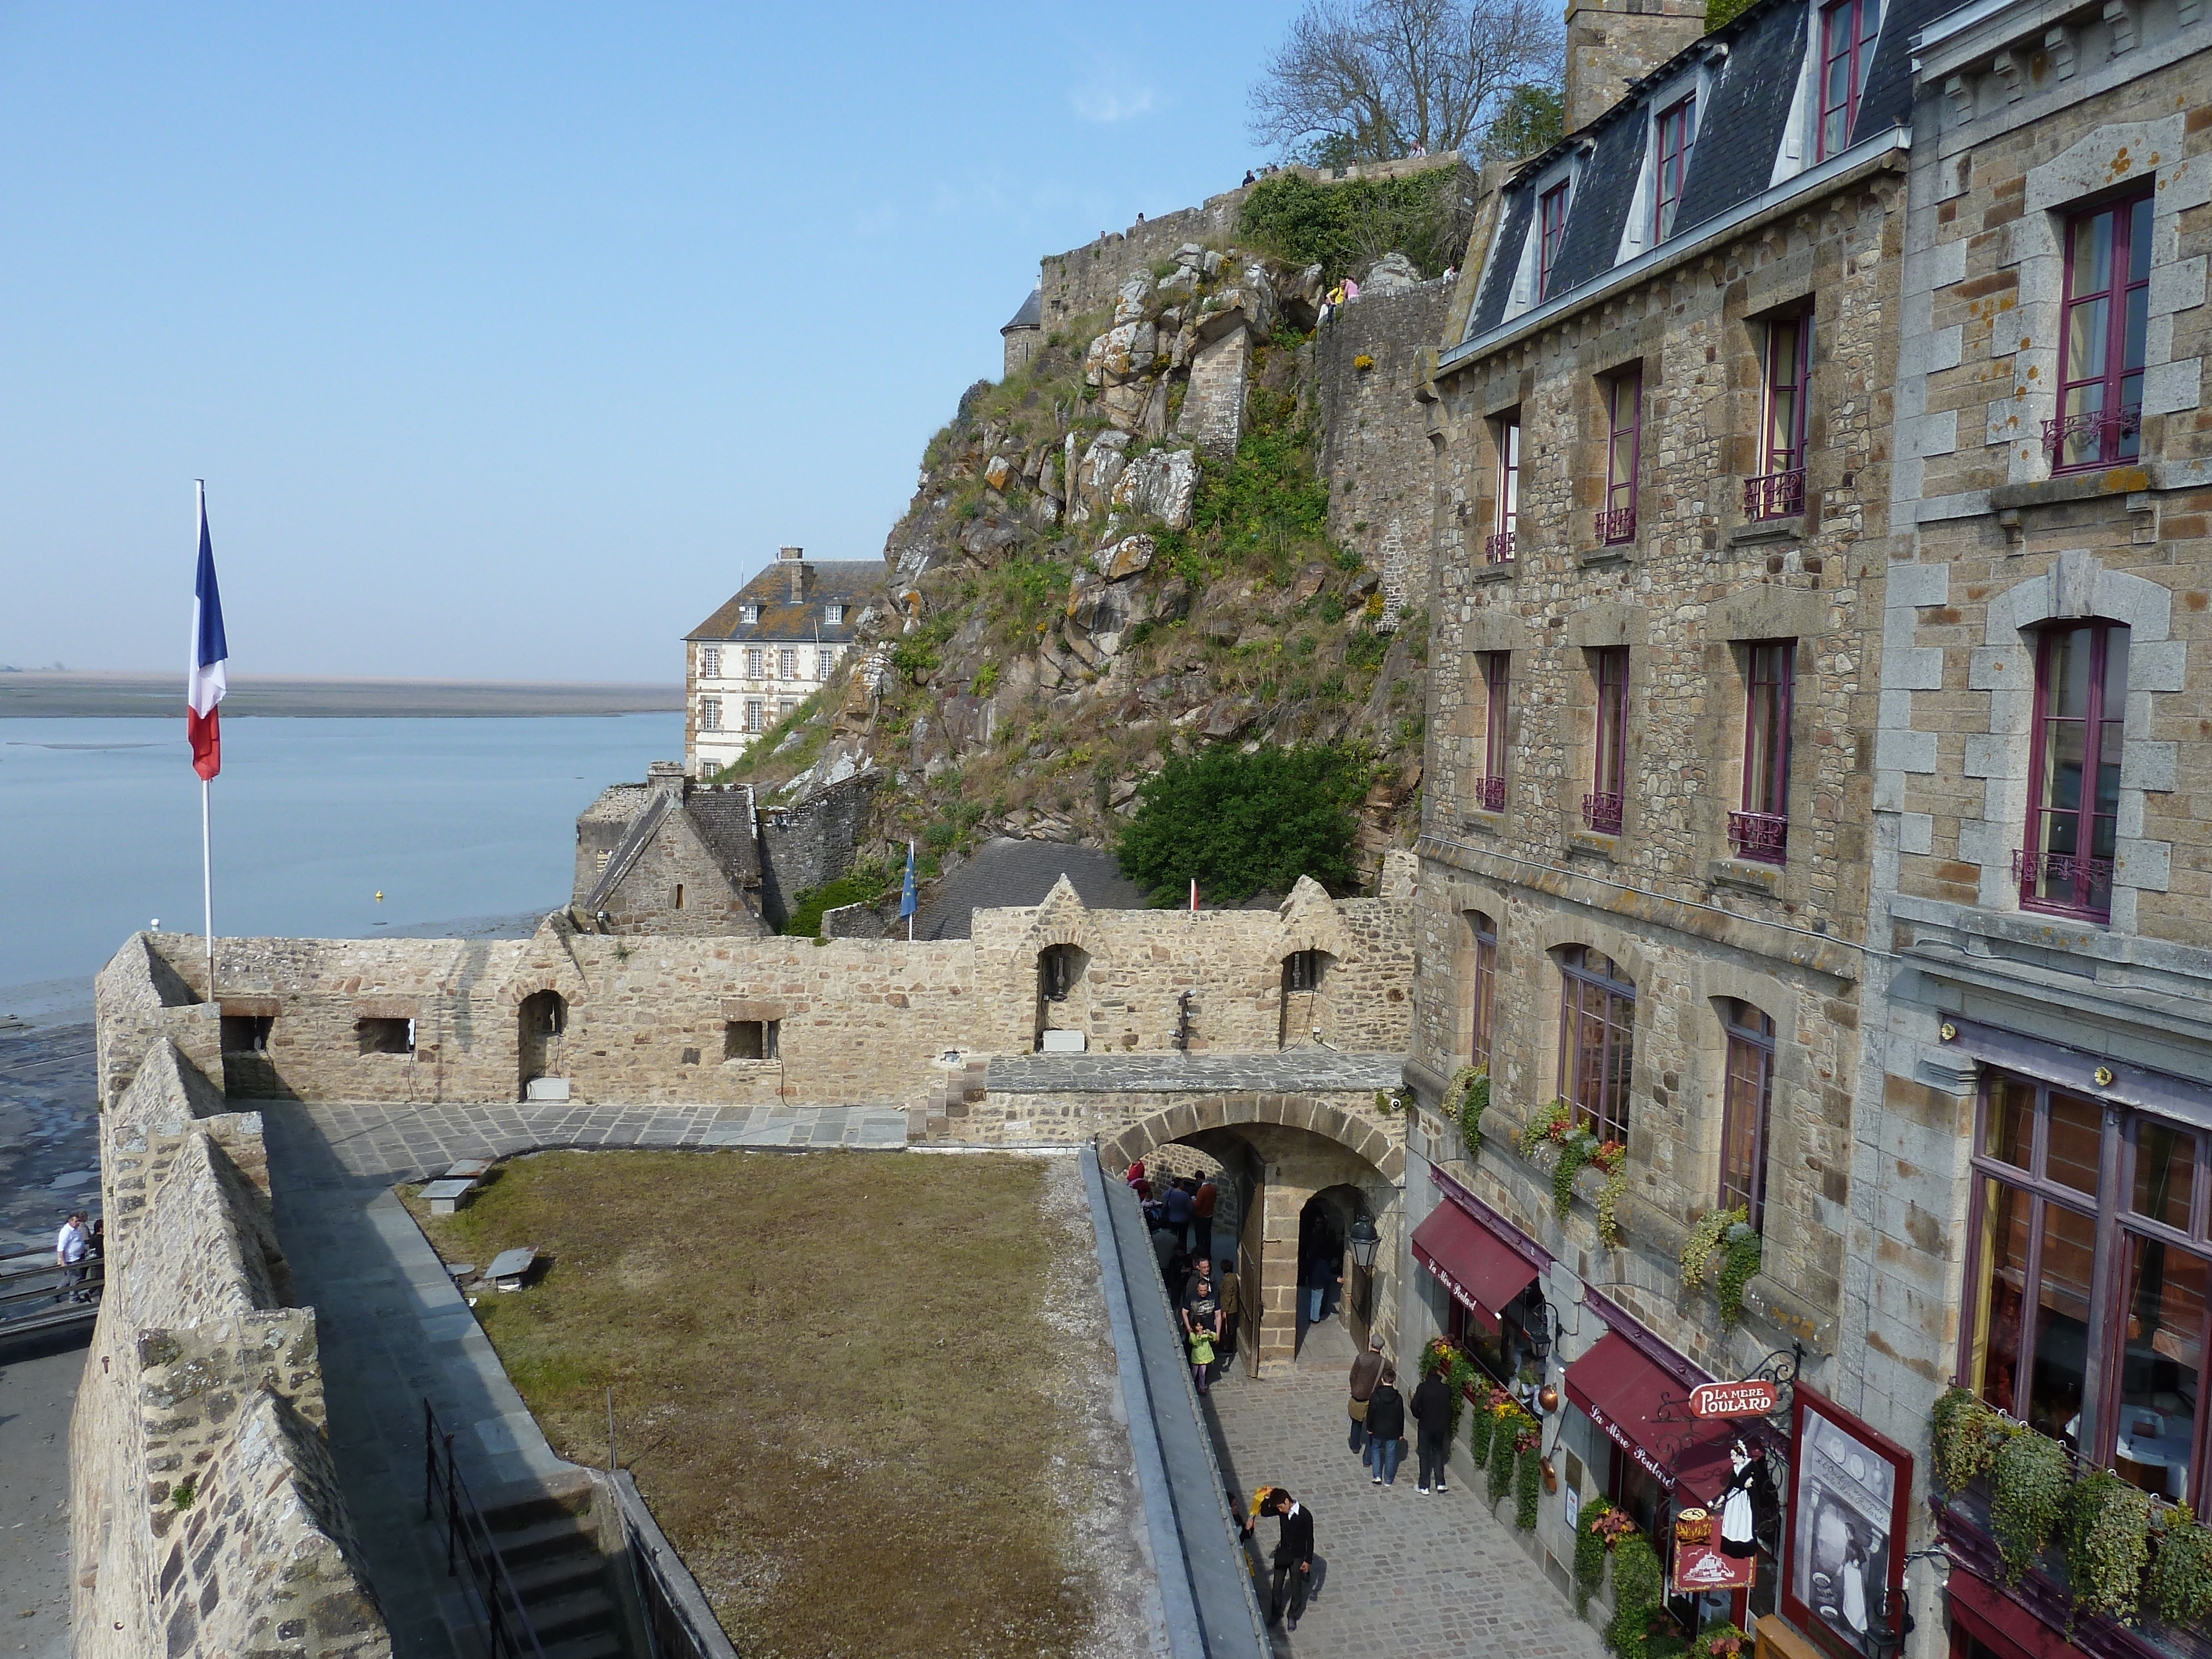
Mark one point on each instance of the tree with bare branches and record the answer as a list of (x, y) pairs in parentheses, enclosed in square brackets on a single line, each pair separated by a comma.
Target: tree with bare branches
[(1374, 80)]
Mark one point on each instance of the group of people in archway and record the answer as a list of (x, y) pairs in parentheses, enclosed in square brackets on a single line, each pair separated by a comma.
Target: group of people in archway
[(1179, 1212)]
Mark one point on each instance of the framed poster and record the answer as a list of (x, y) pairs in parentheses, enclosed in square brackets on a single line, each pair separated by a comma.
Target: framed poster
[(1850, 1490)]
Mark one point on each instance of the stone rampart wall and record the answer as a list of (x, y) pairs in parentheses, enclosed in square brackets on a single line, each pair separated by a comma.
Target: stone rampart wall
[(205, 1518), (857, 1020), (812, 844), (1375, 451)]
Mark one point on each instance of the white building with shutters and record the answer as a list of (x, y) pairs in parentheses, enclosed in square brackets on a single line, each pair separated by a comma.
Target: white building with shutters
[(774, 643)]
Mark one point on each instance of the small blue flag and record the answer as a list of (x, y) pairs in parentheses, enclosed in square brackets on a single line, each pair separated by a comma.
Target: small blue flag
[(906, 893)]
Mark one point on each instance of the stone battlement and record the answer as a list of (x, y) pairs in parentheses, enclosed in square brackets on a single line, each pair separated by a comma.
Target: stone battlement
[(204, 1511), (754, 1021)]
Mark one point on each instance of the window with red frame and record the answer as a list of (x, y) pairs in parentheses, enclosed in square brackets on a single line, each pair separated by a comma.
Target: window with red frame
[(2074, 779), (1500, 549), (1602, 808), (1552, 230), (1761, 830), (1744, 1110), (1677, 133), (1486, 985), (2100, 345), (1778, 490), (1597, 1040), (1623, 455), (1848, 32), (2115, 1368), (1490, 787)]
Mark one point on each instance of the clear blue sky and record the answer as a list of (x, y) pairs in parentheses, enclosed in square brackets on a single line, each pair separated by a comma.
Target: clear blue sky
[(510, 339)]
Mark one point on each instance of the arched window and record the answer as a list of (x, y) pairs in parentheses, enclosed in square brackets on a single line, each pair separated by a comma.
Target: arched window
[(1058, 966), (1748, 1096), (1485, 986), (1597, 1035), (2074, 778)]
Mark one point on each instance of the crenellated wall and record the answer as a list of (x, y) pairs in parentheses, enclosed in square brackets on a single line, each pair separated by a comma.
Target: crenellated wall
[(858, 1020), (205, 1516)]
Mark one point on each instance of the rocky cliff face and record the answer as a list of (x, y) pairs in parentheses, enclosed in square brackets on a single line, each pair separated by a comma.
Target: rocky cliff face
[(1126, 548)]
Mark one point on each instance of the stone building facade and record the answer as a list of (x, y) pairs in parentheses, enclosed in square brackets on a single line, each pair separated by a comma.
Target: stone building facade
[(2041, 865), (1662, 489), (670, 856)]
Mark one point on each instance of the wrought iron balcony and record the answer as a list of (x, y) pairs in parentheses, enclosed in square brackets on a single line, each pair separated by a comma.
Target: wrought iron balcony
[(1616, 524), (1499, 550), (1490, 794), (1602, 812), (1775, 494), (2081, 882), (1761, 836), (2101, 428)]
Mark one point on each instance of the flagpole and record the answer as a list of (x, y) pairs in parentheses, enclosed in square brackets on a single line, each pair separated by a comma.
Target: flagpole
[(207, 864)]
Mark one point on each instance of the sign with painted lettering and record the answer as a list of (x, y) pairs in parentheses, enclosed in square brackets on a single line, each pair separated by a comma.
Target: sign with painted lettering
[(1754, 1398)]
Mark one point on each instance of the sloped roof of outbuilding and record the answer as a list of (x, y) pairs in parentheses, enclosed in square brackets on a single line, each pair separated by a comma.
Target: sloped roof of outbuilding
[(1031, 315), (1010, 873)]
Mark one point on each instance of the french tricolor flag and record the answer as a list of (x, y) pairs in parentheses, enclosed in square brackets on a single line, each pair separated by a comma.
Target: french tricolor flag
[(205, 684)]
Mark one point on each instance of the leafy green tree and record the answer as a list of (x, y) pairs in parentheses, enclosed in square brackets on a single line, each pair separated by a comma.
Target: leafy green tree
[(1239, 823), (1531, 118)]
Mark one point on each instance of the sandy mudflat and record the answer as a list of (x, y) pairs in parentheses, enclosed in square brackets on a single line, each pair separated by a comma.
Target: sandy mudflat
[(25, 696)]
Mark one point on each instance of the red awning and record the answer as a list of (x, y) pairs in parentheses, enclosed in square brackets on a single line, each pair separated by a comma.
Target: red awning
[(1476, 1266), (1646, 1413)]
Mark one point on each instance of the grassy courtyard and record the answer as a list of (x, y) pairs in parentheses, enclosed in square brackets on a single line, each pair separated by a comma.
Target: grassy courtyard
[(836, 1380)]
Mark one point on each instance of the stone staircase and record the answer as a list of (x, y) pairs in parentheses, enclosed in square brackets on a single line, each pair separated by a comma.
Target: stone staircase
[(963, 1088), (550, 1544)]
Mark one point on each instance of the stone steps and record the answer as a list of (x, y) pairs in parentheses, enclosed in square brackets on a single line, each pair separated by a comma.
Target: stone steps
[(552, 1555)]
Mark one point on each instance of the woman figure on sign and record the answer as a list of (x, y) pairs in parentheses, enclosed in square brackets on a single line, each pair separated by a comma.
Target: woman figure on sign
[(1738, 1508), (1854, 1578)]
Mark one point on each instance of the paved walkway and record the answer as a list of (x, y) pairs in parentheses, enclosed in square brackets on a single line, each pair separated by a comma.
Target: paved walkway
[(1294, 1071), (38, 1390), (1403, 1576), (391, 1143), (395, 1329)]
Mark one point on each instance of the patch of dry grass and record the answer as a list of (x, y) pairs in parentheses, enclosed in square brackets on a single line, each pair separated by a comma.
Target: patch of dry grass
[(827, 1381)]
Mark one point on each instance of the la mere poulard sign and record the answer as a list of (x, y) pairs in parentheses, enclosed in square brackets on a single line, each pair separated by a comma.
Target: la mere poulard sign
[(1700, 1564)]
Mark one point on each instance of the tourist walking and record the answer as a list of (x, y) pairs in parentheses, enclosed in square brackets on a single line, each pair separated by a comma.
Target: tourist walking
[(1201, 1216), (1366, 1372), (72, 1245), (1433, 1419), (1321, 1278), (1177, 1203), (1386, 1428), (1201, 1323), (1294, 1554)]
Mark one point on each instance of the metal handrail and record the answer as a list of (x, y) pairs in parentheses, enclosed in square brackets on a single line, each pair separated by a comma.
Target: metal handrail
[(1761, 836), (45, 1283), (1775, 494), (494, 1602), (1602, 812), (1615, 525)]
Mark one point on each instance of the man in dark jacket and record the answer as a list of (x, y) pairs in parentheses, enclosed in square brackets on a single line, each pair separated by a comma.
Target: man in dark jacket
[(1294, 1555), (1386, 1428), (1366, 1372), (1432, 1416)]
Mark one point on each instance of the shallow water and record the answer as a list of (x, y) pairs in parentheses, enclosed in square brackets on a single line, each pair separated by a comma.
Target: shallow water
[(100, 825)]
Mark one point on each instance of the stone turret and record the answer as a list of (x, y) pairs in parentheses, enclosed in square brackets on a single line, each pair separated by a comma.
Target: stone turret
[(1611, 43)]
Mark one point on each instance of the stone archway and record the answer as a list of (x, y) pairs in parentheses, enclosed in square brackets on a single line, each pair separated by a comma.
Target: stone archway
[(1298, 1148)]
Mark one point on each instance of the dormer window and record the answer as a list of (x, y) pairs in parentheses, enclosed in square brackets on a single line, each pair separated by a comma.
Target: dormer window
[(833, 615), (1678, 132), (1848, 31), (1552, 230), (748, 614)]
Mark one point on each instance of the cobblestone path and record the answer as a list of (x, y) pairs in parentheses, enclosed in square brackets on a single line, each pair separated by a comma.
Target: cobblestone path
[(1406, 1577)]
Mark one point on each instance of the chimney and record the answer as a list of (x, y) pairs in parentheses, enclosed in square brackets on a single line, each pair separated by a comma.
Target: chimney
[(1611, 43), (666, 778), (796, 558)]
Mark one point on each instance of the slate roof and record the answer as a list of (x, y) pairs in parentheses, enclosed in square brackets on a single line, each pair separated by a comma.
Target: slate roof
[(1010, 873), (1597, 212), (1497, 281), (724, 819), (852, 583), (1740, 134), (1744, 117), (1031, 315)]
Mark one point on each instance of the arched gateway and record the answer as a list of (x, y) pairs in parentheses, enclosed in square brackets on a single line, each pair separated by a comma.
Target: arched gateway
[(1280, 1151)]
